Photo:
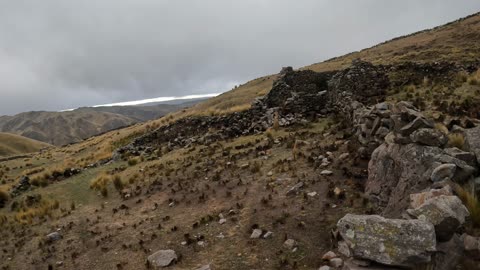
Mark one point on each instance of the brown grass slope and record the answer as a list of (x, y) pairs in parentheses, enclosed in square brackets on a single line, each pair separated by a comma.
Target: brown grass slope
[(11, 144)]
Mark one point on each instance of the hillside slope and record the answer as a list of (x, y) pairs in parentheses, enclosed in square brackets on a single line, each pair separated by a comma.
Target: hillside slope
[(11, 144), (60, 128), (453, 42)]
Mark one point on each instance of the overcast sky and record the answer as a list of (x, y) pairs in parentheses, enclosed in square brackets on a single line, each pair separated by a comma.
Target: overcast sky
[(63, 54)]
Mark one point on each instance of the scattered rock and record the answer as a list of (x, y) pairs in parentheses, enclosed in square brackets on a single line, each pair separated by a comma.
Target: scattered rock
[(471, 245), (343, 249), (443, 172), (325, 267), (162, 258), (418, 123), (54, 236), (467, 157), (446, 213), (267, 235), (289, 244), (336, 262), (388, 241), (329, 255), (295, 189), (312, 194), (205, 267), (326, 172), (222, 221), (256, 234)]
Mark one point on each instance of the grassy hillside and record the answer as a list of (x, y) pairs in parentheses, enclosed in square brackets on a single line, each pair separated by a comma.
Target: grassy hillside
[(11, 144)]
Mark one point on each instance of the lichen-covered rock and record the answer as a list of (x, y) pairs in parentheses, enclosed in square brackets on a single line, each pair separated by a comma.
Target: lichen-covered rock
[(395, 171), (162, 258), (428, 136), (392, 242), (468, 157), (418, 123), (446, 213)]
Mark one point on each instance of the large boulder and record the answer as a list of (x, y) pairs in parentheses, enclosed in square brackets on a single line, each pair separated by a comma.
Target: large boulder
[(446, 213), (393, 242), (162, 258), (395, 171)]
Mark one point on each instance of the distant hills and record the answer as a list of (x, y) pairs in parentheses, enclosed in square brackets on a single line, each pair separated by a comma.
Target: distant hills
[(61, 128), (11, 144)]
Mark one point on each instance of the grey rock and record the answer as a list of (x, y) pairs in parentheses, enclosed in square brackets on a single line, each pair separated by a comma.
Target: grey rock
[(472, 141), (352, 265), (326, 172), (417, 199), (471, 245), (325, 267), (446, 213), (468, 157), (418, 123), (344, 249), (443, 172), (428, 136), (256, 234), (162, 258), (54, 236), (204, 267), (329, 255), (268, 235), (290, 243), (448, 255), (336, 262), (393, 242), (295, 189)]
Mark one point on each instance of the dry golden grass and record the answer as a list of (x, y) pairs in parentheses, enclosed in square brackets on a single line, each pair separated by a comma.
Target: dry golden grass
[(472, 204), (456, 140), (26, 215), (11, 144)]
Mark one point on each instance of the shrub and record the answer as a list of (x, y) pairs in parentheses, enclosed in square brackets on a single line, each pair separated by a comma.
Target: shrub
[(117, 183), (442, 128), (133, 161), (456, 140), (472, 204)]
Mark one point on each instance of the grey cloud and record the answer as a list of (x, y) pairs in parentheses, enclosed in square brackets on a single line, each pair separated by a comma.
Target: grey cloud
[(62, 54)]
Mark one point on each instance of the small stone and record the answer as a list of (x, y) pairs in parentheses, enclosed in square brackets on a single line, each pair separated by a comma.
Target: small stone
[(270, 173), (222, 221), (343, 156), (289, 243), (294, 190), (162, 258), (336, 262), (338, 192), (312, 194), (54, 236), (325, 267), (329, 255), (205, 267), (326, 172), (268, 235), (256, 234), (344, 249), (201, 243), (442, 172)]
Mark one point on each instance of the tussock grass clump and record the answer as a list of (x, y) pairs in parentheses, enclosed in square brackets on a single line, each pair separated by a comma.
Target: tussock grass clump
[(42, 209), (100, 184), (4, 197), (442, 128), (472, 204), (118, 183), (133, 161), (456, 140)]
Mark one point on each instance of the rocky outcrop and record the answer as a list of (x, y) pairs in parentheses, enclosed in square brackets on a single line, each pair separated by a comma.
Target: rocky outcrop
[(446, 213), (393, 242)]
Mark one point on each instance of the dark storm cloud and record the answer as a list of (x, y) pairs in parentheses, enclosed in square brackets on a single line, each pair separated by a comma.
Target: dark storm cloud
[(63, 54)]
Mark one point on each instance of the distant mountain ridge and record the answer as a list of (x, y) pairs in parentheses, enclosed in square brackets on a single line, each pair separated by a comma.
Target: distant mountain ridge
[(61, 128)]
